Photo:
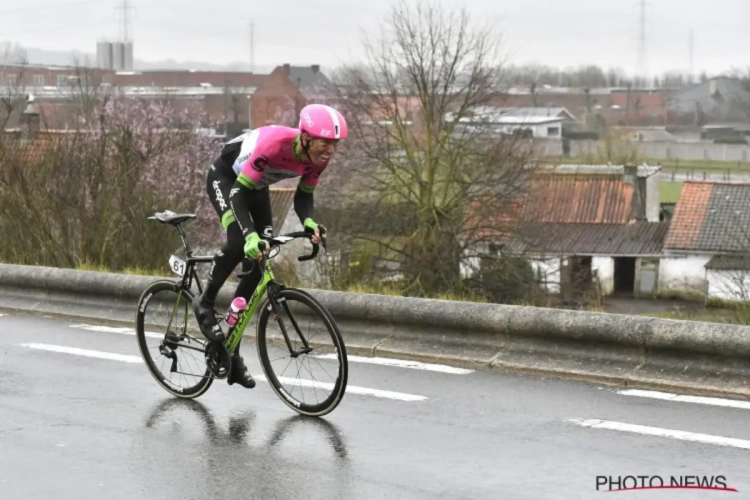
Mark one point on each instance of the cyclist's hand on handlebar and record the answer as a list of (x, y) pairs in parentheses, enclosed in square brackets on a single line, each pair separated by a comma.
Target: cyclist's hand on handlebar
[(253, 246), (316, 229)]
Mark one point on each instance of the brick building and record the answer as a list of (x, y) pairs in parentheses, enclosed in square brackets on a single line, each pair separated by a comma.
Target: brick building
[(39, 78), (236, 99), (616, 105)]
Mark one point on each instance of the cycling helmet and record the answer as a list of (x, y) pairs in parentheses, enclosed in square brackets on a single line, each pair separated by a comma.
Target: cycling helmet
[(321, 121)]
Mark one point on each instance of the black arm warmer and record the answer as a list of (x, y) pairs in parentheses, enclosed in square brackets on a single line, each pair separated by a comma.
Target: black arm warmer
[(243, 201), (303, 204)]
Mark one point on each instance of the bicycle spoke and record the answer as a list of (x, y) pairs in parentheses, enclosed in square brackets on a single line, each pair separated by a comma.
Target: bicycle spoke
[(301, 382), (175, 360), (321, 367)]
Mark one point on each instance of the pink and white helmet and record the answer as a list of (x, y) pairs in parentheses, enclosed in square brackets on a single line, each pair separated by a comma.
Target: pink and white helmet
[(323, 122)]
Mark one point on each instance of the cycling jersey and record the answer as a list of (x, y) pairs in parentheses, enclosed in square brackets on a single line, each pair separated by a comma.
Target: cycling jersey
[(258, 159), (265, 156)]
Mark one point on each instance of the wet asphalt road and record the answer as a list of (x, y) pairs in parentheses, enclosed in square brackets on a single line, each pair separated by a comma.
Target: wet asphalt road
[(77, 427)]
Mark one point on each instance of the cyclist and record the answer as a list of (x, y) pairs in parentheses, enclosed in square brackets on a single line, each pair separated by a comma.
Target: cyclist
[(237, 184)]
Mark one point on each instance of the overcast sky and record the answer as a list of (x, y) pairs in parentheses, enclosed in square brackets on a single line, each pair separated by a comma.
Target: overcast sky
[(555, 32)]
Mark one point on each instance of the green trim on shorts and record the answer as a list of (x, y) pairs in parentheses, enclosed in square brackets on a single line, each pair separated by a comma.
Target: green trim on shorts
[(245, 181)]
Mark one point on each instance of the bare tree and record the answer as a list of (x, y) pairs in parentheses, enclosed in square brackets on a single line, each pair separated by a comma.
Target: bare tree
[(435, 170), (81, 196), (13, 63), (741, 101)]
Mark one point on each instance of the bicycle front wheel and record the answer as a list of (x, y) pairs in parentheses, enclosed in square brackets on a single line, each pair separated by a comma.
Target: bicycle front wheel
[(293, 370)]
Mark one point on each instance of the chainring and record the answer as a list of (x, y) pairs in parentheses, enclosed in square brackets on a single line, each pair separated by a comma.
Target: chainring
[(218, 360)]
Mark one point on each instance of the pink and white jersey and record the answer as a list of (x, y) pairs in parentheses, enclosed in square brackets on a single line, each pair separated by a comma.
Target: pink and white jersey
[(267, 157)]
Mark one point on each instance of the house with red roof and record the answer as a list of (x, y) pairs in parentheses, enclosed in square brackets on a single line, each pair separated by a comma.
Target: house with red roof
[(580, 225), (707, 248)]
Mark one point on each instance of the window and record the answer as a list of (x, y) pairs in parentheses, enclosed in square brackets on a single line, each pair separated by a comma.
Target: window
[(552, 131), (62, 80), (495, 249), (38, 80), (12, 80), (106, 79)]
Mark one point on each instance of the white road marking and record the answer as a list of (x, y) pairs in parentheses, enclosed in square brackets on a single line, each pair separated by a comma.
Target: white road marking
[(414, 365), (86, 352), (1, 315), (667, 433), (732, 403), (364, 391), (115, 329), (103, 328)]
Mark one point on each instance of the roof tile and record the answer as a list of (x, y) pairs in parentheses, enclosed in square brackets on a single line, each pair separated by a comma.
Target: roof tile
[(689, 216), (569, 199), (640, 238)]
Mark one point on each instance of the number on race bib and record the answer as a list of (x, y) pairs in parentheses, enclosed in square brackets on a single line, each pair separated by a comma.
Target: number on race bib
[(177, 265)]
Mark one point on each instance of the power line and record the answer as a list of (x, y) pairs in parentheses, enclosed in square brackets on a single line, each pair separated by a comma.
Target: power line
[(252, 47), (125, 20), (642, 41), (692, 56)]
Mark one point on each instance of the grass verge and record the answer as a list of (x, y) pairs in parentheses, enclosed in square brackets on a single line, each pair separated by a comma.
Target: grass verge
[(669, 192)]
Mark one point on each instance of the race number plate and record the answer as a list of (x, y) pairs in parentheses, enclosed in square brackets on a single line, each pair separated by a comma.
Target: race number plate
[(177, 265)]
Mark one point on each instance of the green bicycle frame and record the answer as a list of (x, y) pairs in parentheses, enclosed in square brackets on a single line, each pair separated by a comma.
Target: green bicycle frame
[(234, 339)]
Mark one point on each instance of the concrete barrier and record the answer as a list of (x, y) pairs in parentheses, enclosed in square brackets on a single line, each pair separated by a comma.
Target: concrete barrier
[(649, 352)]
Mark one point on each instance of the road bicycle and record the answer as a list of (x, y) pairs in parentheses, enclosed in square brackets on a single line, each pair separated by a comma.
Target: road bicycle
[(276, 298)]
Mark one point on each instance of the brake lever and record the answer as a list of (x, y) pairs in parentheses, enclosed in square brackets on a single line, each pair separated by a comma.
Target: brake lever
[(323, 237)]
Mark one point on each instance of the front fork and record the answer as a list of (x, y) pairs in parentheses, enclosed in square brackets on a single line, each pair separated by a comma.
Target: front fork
[(273, 289)]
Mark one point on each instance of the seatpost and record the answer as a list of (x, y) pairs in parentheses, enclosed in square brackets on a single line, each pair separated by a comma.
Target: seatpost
[(185, 243)]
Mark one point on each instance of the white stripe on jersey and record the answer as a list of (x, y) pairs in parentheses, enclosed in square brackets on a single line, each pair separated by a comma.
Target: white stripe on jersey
[(248, 145)]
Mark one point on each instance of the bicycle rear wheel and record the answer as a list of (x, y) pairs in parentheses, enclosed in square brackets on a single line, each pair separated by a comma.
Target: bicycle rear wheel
[(283, 368), (167, 328)]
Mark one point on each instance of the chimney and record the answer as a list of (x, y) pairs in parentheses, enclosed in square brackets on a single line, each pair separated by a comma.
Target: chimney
[(287, 69), (638, 205), (30, 118), (315, 68)]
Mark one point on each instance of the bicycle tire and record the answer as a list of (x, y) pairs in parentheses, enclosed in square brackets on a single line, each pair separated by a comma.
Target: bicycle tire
[(292, 294), (140, 331)]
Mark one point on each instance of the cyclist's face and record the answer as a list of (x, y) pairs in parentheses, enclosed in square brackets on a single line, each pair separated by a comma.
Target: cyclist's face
[(321, 150)]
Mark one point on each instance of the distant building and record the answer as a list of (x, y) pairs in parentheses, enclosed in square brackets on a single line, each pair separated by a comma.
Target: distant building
[(286, 90), (114, 55), (536, 122), (707, 248), (535, 112), (722, 98), (236, 98), (581, 226)]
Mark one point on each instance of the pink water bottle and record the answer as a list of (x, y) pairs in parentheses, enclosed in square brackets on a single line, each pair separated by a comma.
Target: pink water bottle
[(233, 315)]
